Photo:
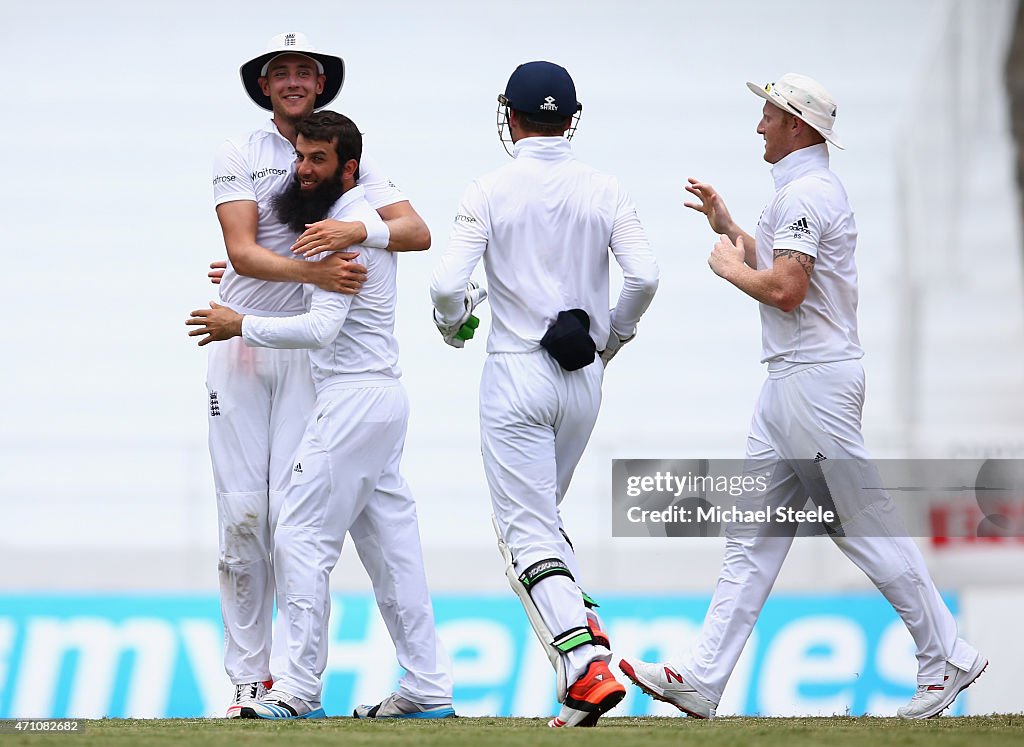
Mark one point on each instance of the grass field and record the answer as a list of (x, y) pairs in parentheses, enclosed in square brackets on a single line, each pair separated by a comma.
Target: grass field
[(990, 731)]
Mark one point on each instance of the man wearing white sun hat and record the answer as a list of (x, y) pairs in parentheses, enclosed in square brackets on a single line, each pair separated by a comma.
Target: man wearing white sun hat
[(260, 399), (806, 431)]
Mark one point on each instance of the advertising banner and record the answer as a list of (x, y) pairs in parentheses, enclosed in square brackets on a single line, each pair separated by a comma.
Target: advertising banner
[(93, 656)]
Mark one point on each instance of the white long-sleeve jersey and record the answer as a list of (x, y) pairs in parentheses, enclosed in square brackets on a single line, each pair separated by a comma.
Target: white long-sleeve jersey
[(349, 336), (543, 225)]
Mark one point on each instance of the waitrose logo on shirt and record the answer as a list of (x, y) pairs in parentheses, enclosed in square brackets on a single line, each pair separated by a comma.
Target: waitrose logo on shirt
[(257, 175)]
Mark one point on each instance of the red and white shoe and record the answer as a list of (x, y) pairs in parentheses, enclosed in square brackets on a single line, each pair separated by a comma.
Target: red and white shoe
[(931, 700), (662, 682), (244, 695), (592, 695)]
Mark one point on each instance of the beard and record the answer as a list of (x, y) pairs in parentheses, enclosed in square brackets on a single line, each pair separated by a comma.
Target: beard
[(296, 207)]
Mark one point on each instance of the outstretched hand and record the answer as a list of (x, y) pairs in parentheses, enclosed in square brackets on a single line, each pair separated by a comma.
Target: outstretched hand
[(215, 323), (712, 205)]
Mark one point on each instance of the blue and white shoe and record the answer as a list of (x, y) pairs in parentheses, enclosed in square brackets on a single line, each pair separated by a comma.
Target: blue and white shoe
[(396, 706), (278, 705)]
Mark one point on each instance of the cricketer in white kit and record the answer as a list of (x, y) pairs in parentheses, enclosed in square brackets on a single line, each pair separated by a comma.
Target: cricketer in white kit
[(344, 476), (806, 429), (260, 399), (543, 226)]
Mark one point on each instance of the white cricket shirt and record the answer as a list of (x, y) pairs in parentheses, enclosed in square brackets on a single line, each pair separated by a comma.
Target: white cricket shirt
[(543, 224), (811, 213), (351, 336), (256, 167)]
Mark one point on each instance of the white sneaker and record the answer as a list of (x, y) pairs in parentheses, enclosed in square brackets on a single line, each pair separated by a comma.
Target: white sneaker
[(664, 683), (277, 705), (397, 706), (931, 700), (244, 694)]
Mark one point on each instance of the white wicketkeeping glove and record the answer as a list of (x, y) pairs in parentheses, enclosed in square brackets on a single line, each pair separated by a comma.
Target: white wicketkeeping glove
[(457, 333), (614, 343)]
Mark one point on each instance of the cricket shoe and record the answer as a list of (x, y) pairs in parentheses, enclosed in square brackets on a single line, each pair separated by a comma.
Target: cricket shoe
[(592, 695), (244, 694), (931, 700), (278, 705), (664, 683), (396, 706)]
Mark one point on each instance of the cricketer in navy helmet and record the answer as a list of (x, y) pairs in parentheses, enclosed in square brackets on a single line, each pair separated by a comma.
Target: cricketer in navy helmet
[(806, 429), (543, 225), (260, 399)]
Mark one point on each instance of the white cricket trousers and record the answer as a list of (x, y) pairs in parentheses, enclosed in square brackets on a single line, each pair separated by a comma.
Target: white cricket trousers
[(259, 404), (535, 421), (817, 410), (259, 401), (346, 478)]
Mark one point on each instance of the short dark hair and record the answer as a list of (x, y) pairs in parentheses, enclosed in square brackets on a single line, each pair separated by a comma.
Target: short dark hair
[(543, 127), (327, 126)]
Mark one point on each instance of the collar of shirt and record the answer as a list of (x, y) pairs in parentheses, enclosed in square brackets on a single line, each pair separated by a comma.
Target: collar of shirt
[(543, 148), (800, 162), (269, 126), (346, 199)]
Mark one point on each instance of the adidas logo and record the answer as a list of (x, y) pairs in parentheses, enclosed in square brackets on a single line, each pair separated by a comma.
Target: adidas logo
[(819, 457), (214, 405), (799, 228), (297, 467)]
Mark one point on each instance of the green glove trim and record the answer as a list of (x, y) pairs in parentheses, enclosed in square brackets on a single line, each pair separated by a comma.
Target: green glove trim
[(468, 329)]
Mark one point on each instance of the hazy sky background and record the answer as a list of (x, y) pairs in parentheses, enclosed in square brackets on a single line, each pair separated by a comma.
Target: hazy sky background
[(111, 118)]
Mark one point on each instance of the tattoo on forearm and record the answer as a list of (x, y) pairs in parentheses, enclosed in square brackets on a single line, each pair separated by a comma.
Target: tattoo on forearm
[(805, 260)]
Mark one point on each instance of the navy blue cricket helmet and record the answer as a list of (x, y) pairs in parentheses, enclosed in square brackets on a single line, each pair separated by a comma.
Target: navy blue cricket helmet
[(543, 92)]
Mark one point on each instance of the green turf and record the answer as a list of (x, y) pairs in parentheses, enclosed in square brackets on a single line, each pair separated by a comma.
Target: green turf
[(990, 731)]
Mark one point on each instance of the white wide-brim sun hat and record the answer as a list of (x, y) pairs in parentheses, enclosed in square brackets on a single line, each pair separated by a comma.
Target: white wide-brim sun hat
[(293, 42), (805, 98)]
